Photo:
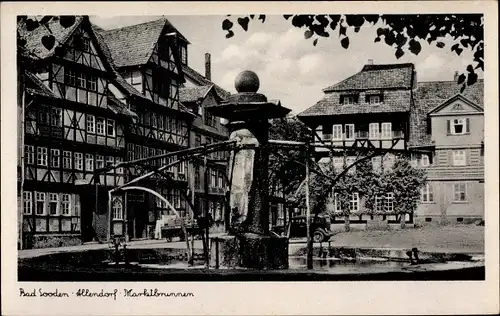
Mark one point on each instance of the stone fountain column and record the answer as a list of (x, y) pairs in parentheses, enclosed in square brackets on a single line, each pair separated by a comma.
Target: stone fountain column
[(249, 243)]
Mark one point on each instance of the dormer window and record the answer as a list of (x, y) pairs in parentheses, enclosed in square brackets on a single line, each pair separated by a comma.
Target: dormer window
[(374, 99), (348, 99), (183, 53)]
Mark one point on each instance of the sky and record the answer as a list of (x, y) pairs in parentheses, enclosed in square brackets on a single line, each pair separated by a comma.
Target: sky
[(290, 68)]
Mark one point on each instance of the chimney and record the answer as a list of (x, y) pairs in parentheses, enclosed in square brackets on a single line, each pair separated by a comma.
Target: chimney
[(370, 62), (208, 66), (455, 77)]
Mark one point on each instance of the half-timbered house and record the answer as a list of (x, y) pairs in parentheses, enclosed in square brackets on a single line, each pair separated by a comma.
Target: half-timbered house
[(384, 106), (149, 56), (73, 124), (209, 181), (370, 109)]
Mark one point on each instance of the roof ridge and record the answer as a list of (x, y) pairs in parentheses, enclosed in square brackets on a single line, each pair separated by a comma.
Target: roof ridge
[(135, 25)]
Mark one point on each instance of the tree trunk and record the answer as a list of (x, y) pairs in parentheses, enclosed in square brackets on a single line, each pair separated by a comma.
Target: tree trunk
[(347, 223), (402, 220)]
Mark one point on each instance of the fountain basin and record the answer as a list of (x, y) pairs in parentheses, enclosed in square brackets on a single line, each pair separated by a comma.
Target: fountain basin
[(167, 264)]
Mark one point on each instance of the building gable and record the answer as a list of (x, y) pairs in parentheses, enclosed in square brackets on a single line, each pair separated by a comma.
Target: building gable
[(457, 105)]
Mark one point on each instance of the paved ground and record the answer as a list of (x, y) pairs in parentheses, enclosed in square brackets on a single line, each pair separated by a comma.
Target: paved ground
[(458, 239)]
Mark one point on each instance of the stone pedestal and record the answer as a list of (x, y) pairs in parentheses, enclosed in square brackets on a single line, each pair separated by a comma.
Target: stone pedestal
[(251, 251)]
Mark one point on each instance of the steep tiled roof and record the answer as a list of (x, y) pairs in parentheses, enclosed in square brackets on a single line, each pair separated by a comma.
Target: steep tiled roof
[(377, 77), (118, 107), (431, 94), (35, 86), (202, 81), (394, 101), (34, 38), (133, 45), (193, 94)]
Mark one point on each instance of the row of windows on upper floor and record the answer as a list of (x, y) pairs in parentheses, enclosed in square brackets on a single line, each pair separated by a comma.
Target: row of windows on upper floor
[(53, 116), (221, 155), (459, 193), (339, 132), (70, 160), (385, 202), (350, 99), (51, 203), (135, 151), (459, 158), (162, 122), (217, 178)]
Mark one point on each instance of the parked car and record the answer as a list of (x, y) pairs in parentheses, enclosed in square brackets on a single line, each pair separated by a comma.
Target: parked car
[(319, 227)]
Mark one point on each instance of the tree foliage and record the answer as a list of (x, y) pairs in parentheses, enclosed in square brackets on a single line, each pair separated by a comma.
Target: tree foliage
[(400, 179), (282, 170), (404, 33)]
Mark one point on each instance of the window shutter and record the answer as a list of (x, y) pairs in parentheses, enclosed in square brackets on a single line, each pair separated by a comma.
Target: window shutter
[(381, 97), (467, 125), (448, 124), (450, 157)]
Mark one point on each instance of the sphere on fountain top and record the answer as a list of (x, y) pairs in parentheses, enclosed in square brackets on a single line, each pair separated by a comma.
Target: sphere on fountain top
[(247, 81)]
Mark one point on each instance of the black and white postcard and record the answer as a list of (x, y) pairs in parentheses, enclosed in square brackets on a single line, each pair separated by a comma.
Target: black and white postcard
[(249, 158)]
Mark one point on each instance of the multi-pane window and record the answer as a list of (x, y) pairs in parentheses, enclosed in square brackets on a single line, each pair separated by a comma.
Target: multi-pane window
[(379, 206), (337, 204), (40, 203), (338, 162), (349, 100), (78, 161), (29, 154), (65, 204), (459, 158), (111, 127), (374, 99), (349, 162), (386, 130), (99, 161), (118, 170), (425, 160), (89, 162), (376, 163), (56, 117), (81, 80), (55, 158), (69, 77), (183, 54), (110, 160), (182, 167), (337, 132), (41, 156), (221, 180), (117, 208), (90, 123), (100, 122), (67, 159), (91, 82), (209, 119), (197, 140), (213, 178), (426, 193), (459, 192), (389, 160), (354, 202), (85, 44), (27, 203), (53, 204), (389, 202), (349, 132), (373, 131)]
